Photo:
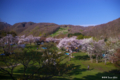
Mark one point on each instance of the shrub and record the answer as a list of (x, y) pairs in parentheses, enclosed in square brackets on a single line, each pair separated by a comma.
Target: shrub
[(80, 37)]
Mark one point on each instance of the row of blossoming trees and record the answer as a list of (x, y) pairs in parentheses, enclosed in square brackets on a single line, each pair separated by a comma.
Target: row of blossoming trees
[(104, 50), (101, 50), (37, 63)]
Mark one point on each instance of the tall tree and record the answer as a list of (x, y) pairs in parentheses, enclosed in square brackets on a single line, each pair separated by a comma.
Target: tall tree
[(52, 57), (99, 49), (116, 58), (90, 50)]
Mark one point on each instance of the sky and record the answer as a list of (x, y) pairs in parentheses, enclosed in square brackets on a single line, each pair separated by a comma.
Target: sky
[(74, 12)]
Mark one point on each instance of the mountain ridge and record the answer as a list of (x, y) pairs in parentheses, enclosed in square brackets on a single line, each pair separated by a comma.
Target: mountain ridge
[(110, 29)]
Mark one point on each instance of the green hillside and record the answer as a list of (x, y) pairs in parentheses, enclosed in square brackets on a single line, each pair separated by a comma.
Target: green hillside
[(76, 69), (61, 30), (35, 29), (110, 29)]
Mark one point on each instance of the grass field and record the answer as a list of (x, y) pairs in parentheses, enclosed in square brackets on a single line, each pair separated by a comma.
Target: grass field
[(77, 70), (61, 30)]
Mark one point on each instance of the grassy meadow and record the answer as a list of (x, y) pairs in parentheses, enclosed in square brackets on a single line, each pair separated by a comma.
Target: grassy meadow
[(76, 69), (62, 30)]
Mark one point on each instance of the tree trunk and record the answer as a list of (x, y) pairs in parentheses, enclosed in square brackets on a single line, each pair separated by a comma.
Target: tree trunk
[(105, 61), (24, 73), (111, 61), (59, 73), (97, 59), (70, 57), (91, 59), (12, 76)]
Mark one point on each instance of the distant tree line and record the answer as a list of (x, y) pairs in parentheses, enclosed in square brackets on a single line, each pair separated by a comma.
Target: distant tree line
[(4, 33), (79, 35)]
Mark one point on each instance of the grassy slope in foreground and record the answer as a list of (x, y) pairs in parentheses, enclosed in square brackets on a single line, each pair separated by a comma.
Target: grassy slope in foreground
[(78, 69)]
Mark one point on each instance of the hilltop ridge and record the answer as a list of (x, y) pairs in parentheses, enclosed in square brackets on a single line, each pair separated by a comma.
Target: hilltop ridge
[(110, 29)]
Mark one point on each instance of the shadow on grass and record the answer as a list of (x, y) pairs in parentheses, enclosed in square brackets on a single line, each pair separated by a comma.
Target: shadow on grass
[(75, 70), (49, 71), (85, 57), (110, 75), (68, 70), (4, 76), (7, 77), (32, 46)]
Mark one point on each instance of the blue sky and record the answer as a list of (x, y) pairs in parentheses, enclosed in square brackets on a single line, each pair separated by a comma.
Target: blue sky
[(75, 12)]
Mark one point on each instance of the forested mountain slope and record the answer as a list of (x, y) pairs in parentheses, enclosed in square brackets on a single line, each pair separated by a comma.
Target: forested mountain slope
[(110, 29)]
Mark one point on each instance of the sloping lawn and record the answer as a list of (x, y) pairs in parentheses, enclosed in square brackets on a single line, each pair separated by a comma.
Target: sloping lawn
[(97, 70), (61, 30), (77, 70)]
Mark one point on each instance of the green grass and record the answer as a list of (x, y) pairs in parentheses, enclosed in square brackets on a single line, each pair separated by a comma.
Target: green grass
[(80, 62), (77, 69), (1, 51), (60, 31)]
